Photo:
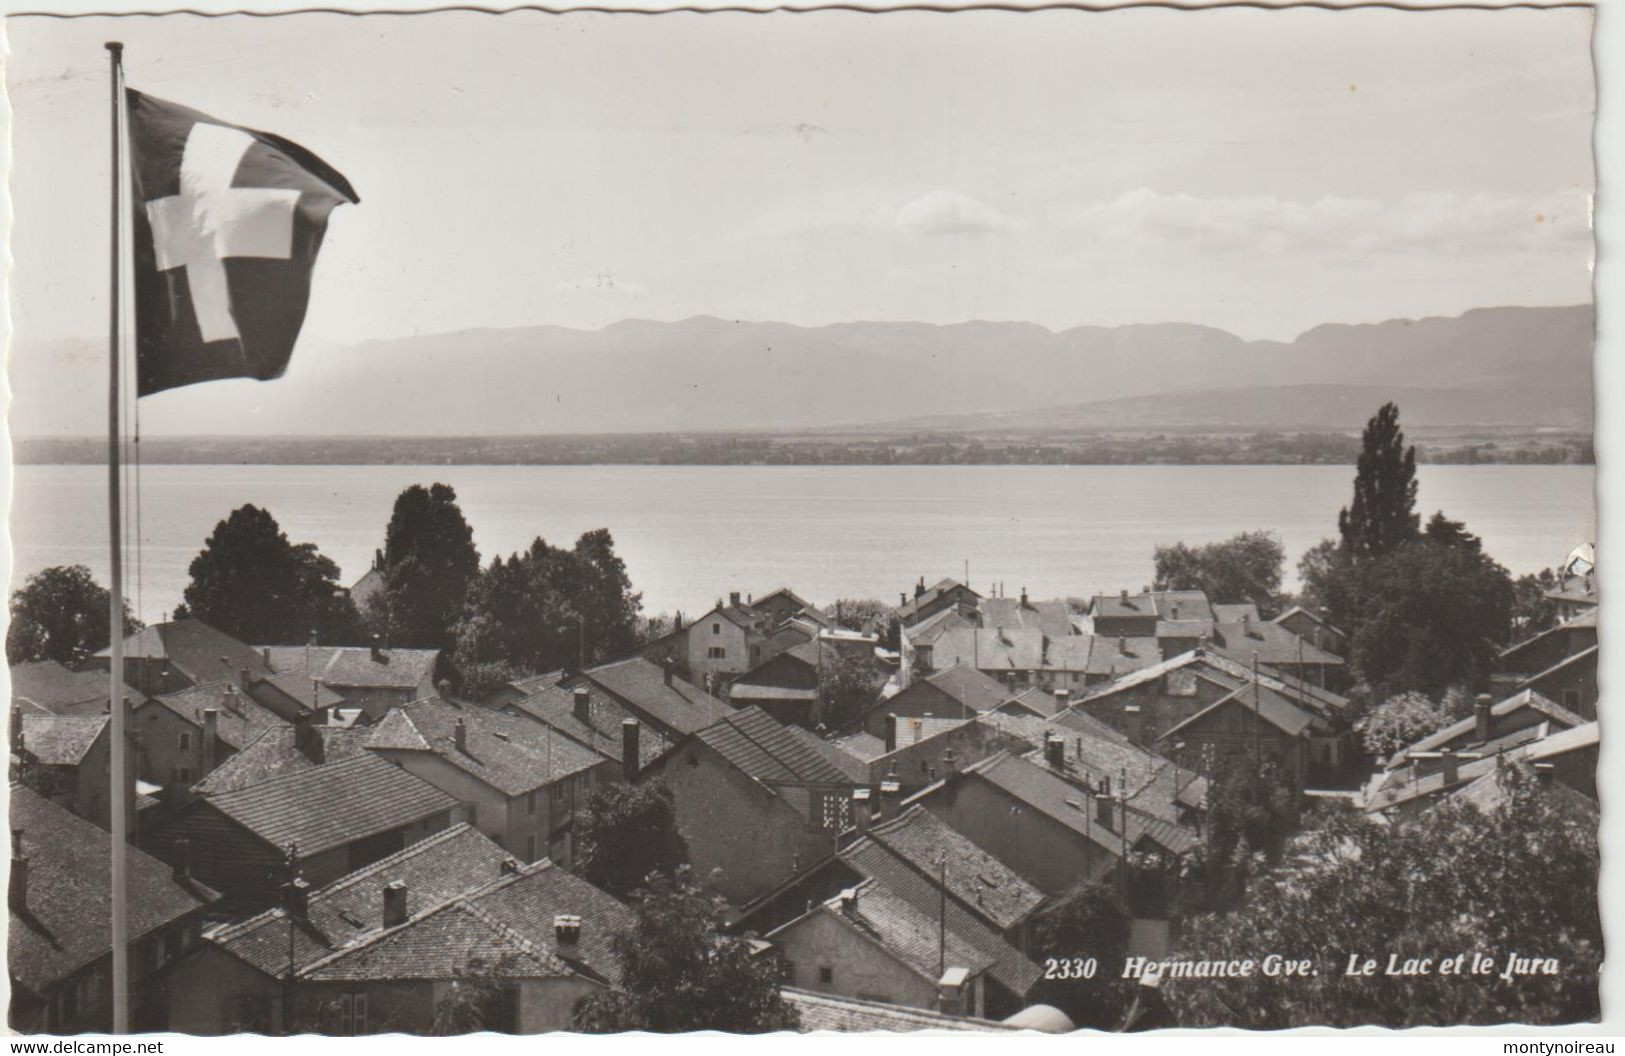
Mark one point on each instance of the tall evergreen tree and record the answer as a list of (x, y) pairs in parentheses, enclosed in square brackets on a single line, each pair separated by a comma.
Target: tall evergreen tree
[(429, 560), (1383, 513)]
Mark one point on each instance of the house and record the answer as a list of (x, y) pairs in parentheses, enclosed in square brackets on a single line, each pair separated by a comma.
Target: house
[(1312, 626), (66, 759), (335, 819), (596, 722), (1091, 754), (1257, 723), (654, 695), (61, 690), (1572, 756), (1144, 705), (1138, 615), (373, 678), (926, 601), (783, 605), (956, 692), (169, 657), (181, 737), (1039, 824), (757, 800), (942, 874), (727, 641), (1571, 682), (1238, 630), (1016, 641), (370, 587), (287, 748), (1552, 646), (58, 944), (1527, 711), (786, 685), (920, 751), (376, 950), (1490, 791), (519, 782), (853, 1015), (869, 943), (1574, 595)]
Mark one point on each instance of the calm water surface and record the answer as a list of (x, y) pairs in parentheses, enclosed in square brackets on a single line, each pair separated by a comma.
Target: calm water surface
[(690, 533)]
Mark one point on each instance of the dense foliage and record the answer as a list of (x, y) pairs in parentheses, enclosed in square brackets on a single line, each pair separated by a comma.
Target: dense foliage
[(627, 832), (1090, 920), (1245, 568), (61, 614), (1251, 809), (848, 683), (254, 585), (429, 560), (1405, 718), (680, 972), (1518, 878)]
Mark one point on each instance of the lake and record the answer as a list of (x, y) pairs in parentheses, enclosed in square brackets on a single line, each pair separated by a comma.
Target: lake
[(691, 533)]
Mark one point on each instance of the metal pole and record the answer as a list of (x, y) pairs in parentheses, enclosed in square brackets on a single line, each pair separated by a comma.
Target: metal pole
[(115, 593), (942, 916)]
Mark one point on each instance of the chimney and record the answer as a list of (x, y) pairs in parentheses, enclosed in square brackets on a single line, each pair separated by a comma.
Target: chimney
[(18, 892), (891, 732), (891, 794), (508, 866), (951, 991), (459, 734), (733, 599), (1173, 611), (1103, 809), (211, 740), (1063, 699), (1122, 595), (629, 749), (919, 588), (1122, 645), (849, 901), (394, 903), (182, 853), (667, 665), (567, 933), (265, 654), (1024, 597), (950, 765), (242, 678), (1055, 751), (296, 897), (377, 651), (1451, 772), (1481, 716), (306, 741), (1545, 773), (583, 705), (902, 598), (1246, 623), (862, 809), (230, 701)]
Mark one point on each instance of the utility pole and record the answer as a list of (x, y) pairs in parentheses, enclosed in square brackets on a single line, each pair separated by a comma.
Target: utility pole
[(1258, 733), (942, 915)]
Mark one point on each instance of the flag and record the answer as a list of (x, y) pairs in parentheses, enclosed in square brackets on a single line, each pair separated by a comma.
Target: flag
[(226, 223)]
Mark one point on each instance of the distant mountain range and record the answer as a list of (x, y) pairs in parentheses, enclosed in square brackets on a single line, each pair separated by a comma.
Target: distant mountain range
[(1500, 367)]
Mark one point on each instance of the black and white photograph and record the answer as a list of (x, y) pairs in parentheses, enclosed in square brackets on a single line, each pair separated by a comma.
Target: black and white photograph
[(1067, 521)]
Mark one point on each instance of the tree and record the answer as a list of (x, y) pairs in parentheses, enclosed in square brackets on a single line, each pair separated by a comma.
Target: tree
[(858, 614), (603, 597), (1457, 880), (1089, 921), (1245, 568), (1325, 572), (1249, 804), (848, 683), (1428, 616), (61, 614), (1403, 719), (429, 559), (1532, 610), (1382, 515), (681, 972), (254, 585), (627, 832)]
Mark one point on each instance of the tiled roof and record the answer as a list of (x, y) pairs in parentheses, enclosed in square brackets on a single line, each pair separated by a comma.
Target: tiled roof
[(273, 754), (1054, 618), (970, 687), (354, 666), (312, 694), (1112, 656), (434, 869), (1299, 610), (1094, 752), (1564, 741), (1233, 613), (897, 876), (505, 927), (678, 706), (1586, 621), (976, 878), (1052, 796), (1466, 728), (61, 740), (1270, 706), (1580, 659), (508, 752), (854, 1015), (906, 933), (239, 719), (772, 753), (931, 594), (1227, 668), (66, 922), (63, 691), (196, 650), (855, 770), (332, 805), (555, 706), (1039, 700), (861, 745), (1578, 589), (1273, 643)]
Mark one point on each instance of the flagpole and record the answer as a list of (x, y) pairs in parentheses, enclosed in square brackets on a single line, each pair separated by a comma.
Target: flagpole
[(115, 595)]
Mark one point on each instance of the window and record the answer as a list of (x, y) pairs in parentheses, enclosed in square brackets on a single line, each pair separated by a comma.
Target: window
[(351, 1014), (186, 740), (826, 975), (181, 775), (530, 802), (835, 811), (716, 652), (716, 628)]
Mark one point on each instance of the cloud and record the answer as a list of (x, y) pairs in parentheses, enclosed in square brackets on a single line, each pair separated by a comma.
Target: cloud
[(603, 284), (951, 213), (1435, 222)]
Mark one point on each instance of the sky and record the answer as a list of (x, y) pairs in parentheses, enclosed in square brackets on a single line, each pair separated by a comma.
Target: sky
[(1258, 171)]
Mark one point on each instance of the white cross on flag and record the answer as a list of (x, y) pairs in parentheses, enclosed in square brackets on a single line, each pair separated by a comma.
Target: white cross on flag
[(227, 223)]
